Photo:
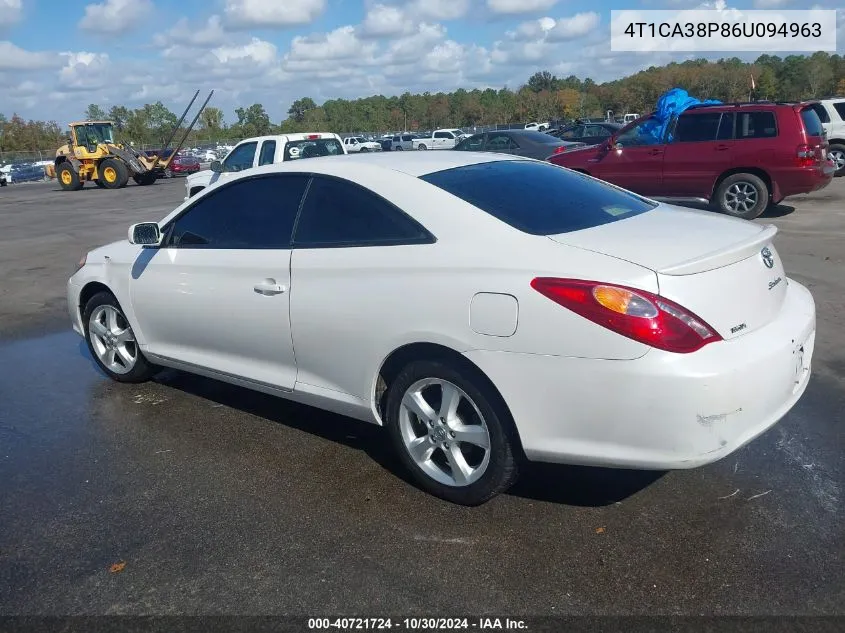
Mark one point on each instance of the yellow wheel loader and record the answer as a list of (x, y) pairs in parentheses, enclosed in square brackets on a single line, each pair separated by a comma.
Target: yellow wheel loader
[(91, 155)]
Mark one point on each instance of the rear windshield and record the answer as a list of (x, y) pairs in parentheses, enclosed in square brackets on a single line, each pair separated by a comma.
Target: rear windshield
[(539, 198), (537, 137), (812, 123), (312, 148)]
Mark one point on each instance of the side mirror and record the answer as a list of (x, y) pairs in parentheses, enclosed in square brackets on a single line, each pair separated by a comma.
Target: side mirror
[(145, 234), (217, 166)]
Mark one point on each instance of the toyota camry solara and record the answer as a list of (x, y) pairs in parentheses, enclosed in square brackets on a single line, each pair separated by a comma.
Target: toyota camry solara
[(484, 308)]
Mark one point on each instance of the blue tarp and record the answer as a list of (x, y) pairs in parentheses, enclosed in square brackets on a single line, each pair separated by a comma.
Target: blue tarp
[(669, 106)]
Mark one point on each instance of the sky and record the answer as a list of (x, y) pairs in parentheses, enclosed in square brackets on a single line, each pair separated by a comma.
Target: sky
[(57, 57)]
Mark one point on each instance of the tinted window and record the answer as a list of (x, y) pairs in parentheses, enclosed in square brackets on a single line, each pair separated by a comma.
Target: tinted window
[(408, 137), (249, 213), (812, 124), (596, 131), (697, 127), (726, 127), (501, 143), (538, 198), (639, 134), (839, 106), (442, 135), (536, 137), (268, 152), (572, 132), (312, 148), (340, 213), (821, 111), (241, 157), (473, 143), (756, 125)]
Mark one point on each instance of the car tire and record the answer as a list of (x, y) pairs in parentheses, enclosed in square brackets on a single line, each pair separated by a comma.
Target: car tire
[(111, 341), (428, 444), (363, 150), (837, 153), (68, 178), (113, 173), (743, 196), (421, 146)]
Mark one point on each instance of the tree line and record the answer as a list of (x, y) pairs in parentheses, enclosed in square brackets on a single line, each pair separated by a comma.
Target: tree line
[(543, 97)]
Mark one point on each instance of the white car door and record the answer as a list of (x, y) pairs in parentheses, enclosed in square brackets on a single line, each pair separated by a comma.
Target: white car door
[(351, 248), (241, 157), (216, 294)]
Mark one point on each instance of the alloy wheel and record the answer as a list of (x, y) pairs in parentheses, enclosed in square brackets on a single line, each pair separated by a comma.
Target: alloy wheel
[(838, 158), (444, 432), (112, 339), (741, 197)]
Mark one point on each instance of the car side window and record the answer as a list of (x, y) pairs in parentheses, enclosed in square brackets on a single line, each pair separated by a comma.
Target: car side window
[(268, 153), (338, 213), (694, 128), (839, 106), (473, 143), (441, 135), (407, 137), (573, 132), (756, 125), (250, 213), (641, 133), (501, 143), (726, 127), (241, 157)]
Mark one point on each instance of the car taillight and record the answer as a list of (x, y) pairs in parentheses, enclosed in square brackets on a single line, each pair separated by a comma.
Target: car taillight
[(806, 156), (560, 149), (636, 314)]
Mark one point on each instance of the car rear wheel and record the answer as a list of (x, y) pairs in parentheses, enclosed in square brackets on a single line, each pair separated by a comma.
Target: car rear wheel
[(421, 146), (837, 155), (743, 196), (112, 342), (450, 433)]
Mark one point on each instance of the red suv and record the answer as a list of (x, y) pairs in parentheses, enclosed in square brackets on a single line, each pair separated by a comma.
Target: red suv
[(736, 157)]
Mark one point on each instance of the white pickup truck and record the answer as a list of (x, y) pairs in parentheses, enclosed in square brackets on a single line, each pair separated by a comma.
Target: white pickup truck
[(439, 139), (265, 150), (358, 144)]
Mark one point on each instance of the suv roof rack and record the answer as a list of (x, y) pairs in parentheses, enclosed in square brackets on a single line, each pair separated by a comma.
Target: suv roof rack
[(743, 104)]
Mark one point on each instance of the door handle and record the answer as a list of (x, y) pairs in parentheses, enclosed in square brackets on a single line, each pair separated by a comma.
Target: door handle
[(656, 152), (722, 148), (269, 287)]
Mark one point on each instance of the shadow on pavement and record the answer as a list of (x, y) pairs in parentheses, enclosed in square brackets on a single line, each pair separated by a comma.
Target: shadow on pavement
[(773, 211)]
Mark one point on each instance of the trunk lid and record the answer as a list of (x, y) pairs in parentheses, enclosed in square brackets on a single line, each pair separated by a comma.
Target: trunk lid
[(724, 270)]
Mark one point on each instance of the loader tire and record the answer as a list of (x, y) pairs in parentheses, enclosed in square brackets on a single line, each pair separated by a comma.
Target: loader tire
[(113, 173), (68, 178)]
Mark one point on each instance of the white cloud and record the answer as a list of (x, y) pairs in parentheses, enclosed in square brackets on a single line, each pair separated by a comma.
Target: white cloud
[(552, 30), (272, 13), (13, 57), (340, 44), (114, 17), (385, 21), (441, 9), (257, 51), (411, 48), (85, 71), (184, 33), (769, 4), (520, 6), (11, 12)]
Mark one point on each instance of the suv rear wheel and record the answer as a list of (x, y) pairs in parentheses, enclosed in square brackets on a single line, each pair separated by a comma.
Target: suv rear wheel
[(743, 196)]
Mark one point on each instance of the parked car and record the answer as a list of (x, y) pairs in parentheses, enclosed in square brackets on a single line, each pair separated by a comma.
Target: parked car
[(355, 144), (537, 127), (25, 173), (3, 180), (438, 139), (386, 143), (587, 133), (404, 141), (265, 150), (183, 165), (526, 143), (831, 112), (575, 322), (738, 158)]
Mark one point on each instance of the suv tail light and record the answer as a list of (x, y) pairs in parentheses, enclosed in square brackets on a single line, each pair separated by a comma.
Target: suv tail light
[(806, 156), (636, 314)]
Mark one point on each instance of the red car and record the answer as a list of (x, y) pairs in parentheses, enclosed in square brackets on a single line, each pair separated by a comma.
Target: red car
[(738, 158), (183, 165)]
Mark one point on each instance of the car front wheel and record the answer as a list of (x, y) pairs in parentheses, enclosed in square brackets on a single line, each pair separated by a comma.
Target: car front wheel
[(112, 342), (450, 432)]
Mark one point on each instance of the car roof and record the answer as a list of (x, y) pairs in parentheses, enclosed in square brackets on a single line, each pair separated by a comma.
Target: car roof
[(415, 164)]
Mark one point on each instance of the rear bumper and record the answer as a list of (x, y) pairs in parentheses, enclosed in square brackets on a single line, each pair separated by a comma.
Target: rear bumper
[(663, 410), (802, 181)]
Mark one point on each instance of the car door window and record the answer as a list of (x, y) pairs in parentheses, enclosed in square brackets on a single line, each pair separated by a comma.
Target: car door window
[(250, 213), (338, 212), (595, 131), (756, 125), (442, 135), (726, 127), (473, 143), (268, 153), (241, 157), (501, 143), (694, 128), (639, 134), (839, 106)]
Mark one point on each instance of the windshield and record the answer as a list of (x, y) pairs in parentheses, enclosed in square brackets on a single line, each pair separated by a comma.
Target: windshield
[(94, 134), (312, 148)]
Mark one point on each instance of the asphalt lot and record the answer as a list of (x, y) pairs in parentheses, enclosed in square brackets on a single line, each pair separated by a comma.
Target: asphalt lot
[(223, 501)]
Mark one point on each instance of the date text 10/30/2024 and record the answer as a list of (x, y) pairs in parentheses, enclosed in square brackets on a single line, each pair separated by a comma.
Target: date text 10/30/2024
[(416, 624)]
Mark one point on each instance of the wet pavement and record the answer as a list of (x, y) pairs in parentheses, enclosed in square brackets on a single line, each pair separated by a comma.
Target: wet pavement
[(220, 500)]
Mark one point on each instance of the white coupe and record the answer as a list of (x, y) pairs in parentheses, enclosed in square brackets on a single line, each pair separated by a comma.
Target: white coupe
[(484, 308)]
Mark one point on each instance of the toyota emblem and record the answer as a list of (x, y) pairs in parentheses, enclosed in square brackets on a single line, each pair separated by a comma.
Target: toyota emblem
[(768, 258)]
